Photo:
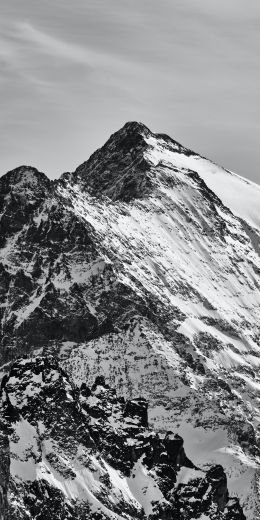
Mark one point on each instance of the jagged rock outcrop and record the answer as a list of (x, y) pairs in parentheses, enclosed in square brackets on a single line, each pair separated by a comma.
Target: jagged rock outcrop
[(143, 267), (21, 192), (73, 453)]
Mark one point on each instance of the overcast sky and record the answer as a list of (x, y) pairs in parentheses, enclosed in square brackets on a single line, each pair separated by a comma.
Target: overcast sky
[(73, 72)]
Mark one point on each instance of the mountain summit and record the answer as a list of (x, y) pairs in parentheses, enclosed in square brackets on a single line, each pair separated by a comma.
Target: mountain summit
[(123, 168), (129, 307)]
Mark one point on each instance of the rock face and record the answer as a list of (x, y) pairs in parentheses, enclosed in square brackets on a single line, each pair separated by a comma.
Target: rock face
[(72, 453), (142, 267)]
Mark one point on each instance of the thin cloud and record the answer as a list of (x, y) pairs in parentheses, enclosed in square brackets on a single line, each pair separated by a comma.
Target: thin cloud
[(24, 49), (45, 43), (14, 64), (52, 46)]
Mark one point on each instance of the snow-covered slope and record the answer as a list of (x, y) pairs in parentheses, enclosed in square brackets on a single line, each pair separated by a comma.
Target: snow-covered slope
[(143, 266), (239, 194)]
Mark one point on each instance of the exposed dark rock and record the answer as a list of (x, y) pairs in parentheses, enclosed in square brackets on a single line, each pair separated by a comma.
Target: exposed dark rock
[(137, 409)]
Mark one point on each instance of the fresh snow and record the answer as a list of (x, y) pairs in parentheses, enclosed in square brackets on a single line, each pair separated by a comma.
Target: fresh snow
[(239, 194)]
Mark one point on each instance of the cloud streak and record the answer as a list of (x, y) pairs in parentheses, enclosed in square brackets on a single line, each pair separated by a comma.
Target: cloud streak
[(42, 42), (54, 47), (33, 54)]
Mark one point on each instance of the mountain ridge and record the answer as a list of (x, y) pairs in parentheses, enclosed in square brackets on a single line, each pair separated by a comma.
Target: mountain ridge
[(136, 130), (202, 165), (133, 127)]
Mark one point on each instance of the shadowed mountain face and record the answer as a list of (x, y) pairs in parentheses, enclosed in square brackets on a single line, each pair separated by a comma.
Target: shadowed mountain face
[(141, 267)]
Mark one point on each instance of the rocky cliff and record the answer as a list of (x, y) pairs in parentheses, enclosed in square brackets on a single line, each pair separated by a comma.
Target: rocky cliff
[(77, 453)]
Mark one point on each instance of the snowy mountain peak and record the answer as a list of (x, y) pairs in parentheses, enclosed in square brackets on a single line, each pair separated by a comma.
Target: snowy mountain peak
[(138, 129), (123, 169)]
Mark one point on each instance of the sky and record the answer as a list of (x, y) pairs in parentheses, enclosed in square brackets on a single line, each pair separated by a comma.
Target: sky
[(73, 72)]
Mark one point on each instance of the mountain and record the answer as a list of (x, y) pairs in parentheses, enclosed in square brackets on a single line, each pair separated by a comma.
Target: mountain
[(142, 268)]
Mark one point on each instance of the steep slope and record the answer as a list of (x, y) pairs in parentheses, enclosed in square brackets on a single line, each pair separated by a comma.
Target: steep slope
[(141, 267), (227, 185)]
